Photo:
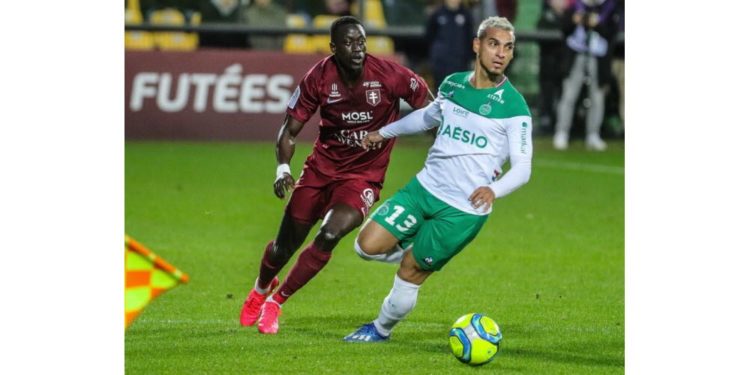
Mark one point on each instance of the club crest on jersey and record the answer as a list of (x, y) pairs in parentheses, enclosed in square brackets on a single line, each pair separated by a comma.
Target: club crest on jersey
[(485, 109), (334, 91), (373, 97)]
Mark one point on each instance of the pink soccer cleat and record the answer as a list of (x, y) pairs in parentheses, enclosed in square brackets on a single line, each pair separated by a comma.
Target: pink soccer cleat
[(251, 308), (269, 317)]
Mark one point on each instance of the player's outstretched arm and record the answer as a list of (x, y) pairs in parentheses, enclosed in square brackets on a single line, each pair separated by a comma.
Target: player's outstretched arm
[(415, 122), (284, 152)]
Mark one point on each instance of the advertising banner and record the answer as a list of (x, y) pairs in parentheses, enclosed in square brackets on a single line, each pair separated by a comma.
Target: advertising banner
[(223, 95)]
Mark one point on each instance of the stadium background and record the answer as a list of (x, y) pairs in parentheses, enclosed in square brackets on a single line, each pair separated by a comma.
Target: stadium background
[(207, 207), (245, 89)]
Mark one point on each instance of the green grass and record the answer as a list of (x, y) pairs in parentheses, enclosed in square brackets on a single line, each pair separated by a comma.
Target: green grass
[(548, 267)]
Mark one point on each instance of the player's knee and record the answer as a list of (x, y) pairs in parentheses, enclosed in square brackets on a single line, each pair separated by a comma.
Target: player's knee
[(363, 252), (366, 245), (331, 235)]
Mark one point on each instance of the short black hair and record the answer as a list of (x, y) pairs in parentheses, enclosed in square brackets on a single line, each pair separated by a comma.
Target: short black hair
[(343, 21)]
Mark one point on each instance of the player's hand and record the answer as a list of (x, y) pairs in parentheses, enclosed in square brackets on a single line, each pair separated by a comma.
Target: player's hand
[(372, 141), (483, 196), (283, 184), (284, 180)]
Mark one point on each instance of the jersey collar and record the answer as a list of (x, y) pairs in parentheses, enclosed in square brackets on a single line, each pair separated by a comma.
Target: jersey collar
[(505, 78)]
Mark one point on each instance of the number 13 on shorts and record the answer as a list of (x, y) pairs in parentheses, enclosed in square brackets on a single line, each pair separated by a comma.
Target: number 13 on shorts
[(397, 220)]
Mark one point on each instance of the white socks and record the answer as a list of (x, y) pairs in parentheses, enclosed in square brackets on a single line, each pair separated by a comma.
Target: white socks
[(394, 256), (399, 302)]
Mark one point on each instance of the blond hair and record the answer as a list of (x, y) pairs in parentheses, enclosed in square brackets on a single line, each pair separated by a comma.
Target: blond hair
[(495, 22)]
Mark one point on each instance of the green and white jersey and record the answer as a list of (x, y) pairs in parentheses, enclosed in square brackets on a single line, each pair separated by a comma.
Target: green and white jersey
[(479, 130)]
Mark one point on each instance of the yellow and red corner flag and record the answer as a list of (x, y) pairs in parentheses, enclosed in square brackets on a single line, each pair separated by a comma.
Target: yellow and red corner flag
[(146, 276)]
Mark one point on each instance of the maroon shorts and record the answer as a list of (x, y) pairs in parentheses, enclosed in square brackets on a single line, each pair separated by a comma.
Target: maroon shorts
[(315, 194)]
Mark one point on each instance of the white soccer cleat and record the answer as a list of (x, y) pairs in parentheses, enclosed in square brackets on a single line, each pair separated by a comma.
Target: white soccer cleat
[(560, 141), (595, 143)]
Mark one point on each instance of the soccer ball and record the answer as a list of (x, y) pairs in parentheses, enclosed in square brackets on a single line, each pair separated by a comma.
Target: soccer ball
[(475, 339)]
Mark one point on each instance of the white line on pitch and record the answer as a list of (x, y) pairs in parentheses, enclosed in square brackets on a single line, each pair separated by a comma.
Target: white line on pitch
[(597, 168)]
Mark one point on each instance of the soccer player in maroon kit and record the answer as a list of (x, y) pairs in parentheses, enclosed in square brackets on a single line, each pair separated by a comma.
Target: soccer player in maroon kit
[(356, 93)]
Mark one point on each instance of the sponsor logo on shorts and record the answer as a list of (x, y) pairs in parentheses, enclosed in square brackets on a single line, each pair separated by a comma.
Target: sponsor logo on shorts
[(368, 197), (428, 261), (383, 210)]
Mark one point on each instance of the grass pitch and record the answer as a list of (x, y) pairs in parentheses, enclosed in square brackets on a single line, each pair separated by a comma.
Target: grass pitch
[(548, 267)]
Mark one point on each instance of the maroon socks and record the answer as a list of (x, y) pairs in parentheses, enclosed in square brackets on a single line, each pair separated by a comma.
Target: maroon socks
[(309, 263), (268, 270)]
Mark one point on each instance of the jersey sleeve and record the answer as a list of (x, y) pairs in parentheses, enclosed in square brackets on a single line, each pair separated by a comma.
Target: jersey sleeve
[(415, 122), (304, 101), (410, 87), (521, 150)]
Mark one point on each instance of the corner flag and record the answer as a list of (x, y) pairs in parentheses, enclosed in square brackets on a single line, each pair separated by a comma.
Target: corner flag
[(146, 276)]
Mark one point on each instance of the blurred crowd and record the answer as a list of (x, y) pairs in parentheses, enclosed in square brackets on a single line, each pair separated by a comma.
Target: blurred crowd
[(586, 66), (580, 77)]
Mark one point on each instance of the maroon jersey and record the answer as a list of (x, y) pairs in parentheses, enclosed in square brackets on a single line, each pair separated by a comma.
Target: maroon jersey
[(348, 113)]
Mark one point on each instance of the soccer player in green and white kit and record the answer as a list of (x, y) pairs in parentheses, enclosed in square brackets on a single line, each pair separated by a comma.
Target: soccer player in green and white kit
[(484, 121)]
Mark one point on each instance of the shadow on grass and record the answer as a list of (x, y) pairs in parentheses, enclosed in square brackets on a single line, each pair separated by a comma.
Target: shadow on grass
[(408, 335), (580, 350), (577, 358)]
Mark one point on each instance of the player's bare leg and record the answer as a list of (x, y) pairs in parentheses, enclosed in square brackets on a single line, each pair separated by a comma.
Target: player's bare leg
[(277, 254), (375, 242), (338, 222), (396, 305)]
